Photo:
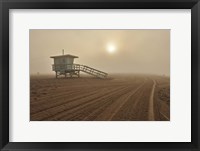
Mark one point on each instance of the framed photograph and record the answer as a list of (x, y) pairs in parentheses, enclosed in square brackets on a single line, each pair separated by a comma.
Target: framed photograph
[(99, 75), (116, 82)]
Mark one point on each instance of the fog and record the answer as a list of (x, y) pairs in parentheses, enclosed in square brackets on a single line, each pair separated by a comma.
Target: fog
[(136, 51)]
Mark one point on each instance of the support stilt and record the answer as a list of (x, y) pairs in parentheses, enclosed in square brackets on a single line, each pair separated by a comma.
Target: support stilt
[(78, 73), (56, 75)]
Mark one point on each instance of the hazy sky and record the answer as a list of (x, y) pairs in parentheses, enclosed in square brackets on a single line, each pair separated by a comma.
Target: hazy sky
[(112, 51)]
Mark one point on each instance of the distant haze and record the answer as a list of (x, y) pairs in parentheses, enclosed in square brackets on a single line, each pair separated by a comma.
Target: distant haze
[(134, 51)]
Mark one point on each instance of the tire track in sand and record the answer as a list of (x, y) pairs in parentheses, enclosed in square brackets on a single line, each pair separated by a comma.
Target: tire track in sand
[(72, 113), (53, 111), (110, 112), (151, 103)]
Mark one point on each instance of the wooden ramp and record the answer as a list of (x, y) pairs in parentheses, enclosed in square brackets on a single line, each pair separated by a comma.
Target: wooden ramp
[(62, 69), (91, 71)]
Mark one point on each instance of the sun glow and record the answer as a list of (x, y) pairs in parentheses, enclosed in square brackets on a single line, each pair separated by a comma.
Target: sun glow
[(111, 48)]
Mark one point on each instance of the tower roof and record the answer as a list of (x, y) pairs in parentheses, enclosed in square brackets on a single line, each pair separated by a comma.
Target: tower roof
[(67, 55)]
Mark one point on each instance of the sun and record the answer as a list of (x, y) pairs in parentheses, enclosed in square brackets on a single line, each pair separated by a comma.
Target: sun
[(111, 48)]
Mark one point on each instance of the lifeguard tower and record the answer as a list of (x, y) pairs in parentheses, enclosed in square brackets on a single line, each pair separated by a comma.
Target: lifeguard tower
[(64, 65)]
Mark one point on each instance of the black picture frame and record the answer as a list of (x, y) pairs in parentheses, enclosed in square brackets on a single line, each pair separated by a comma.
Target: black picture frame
[(5, 5)]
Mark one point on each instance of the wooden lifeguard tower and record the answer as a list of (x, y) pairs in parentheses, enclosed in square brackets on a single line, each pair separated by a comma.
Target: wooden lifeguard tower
[(64, 65)]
